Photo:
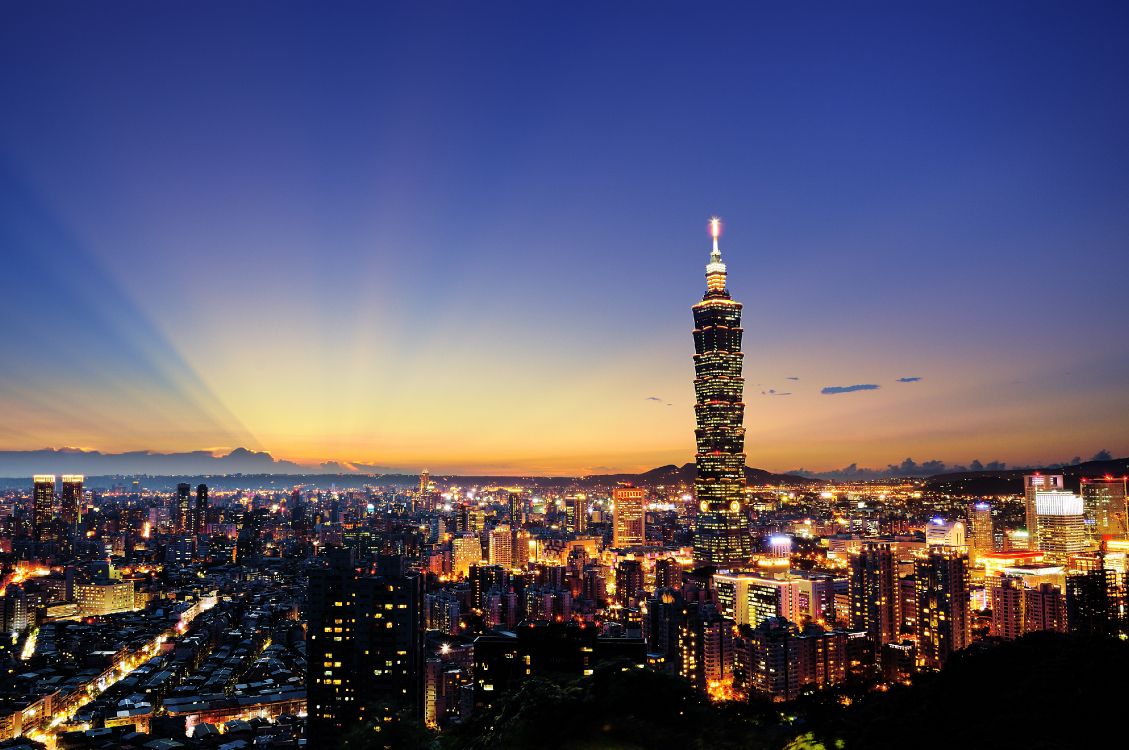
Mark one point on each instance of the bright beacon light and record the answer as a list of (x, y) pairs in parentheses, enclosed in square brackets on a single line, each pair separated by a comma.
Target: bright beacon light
[(715, 227)]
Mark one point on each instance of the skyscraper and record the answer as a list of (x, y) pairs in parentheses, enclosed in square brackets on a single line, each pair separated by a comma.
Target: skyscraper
[(1060, 525), (983, 532), (183, 511), (874, 593), (517, 511), (629, 517), (501, 546), (365, 643), (1032, 484), (722, 535), (71, 512), (1103, 501), (576, 513), (200, 512), (43, 499)]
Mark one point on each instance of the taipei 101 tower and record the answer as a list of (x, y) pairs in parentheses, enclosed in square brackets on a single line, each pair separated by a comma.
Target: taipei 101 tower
[(721, 535)]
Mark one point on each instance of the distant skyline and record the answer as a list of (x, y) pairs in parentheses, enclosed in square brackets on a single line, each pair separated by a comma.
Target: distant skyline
[(468, 237)]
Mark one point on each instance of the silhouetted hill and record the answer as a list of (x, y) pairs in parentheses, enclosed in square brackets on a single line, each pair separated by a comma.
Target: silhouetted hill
[(685, 474), (1010, 481)]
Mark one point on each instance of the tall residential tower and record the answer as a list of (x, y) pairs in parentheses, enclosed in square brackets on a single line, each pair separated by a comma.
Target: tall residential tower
[(722, 535)]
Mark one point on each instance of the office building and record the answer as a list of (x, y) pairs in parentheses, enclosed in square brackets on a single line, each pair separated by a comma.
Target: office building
[(71, 511), (1032, 485), (182, 511), (1060, 525), (43, 503), (983, 531), (629, 517), (576, 513), (722, 537), (942, 533), (200, 510), (1103, 503)]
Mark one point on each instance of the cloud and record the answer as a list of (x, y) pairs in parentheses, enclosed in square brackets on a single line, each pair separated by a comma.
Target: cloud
[(914, 379), (833, 389), (791, 377), (1102, 455), (652, 398)]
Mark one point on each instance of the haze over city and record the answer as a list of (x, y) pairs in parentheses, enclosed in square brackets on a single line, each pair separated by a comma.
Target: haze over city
[(466, 237)]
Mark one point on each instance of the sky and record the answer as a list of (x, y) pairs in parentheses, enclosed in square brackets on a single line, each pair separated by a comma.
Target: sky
[(467, 235)]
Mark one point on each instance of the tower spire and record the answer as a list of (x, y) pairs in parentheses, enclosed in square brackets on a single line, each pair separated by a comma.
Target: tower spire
[(715, 269)]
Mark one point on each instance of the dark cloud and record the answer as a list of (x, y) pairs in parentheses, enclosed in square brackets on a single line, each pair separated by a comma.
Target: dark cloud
[(833, 389), (913, 379), (774, 392), (1102, 455), (652, 398), (791, 377)]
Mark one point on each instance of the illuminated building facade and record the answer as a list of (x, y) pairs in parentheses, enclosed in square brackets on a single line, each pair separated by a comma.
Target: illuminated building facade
[(1060, 524), (43, 500), (1033, 484), (722, 536), (1103, 503), (576, 513), (874, 593), (103, 597), (940, 532), (629, 517), (983, 531), (501, 546), (71, 511), (465, 551), (943, 617)]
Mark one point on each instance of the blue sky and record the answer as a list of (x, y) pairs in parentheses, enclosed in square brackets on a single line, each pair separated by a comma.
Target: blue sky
[(468, 234)]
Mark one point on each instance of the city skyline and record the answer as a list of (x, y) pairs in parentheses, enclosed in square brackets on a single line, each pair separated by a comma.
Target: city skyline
[(384, 243)]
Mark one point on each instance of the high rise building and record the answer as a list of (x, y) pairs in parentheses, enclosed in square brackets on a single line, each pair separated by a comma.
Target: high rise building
[(944, 623), (466, 550), (983, 531), (1060, 525), (517, 511), (200, 511), (43, 501), (576, 513), (365, 643), (1032, 484), (71, 511), (874, 593), (722, 536), (629, 517), (501, 547), (1103, 503), (182, 516)]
